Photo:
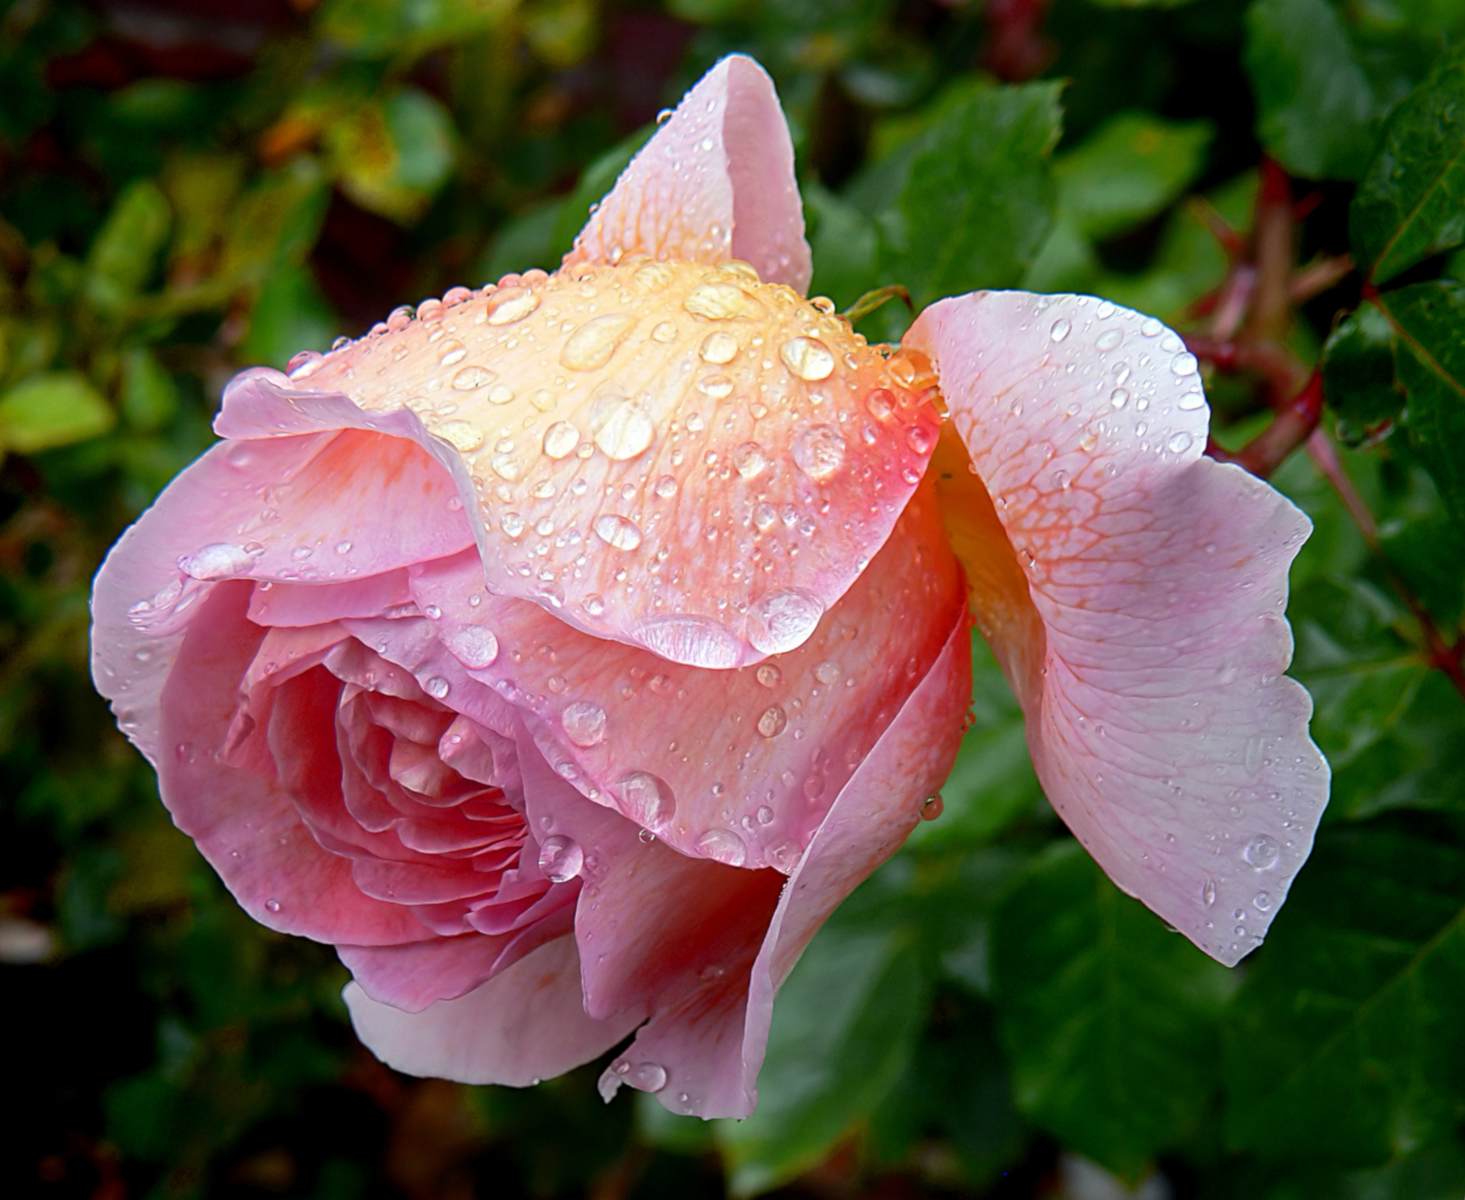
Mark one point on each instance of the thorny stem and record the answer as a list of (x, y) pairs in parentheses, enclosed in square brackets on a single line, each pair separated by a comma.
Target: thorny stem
[(1249, 316)]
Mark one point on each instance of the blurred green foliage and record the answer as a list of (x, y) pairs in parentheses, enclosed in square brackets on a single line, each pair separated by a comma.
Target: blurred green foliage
[(183, 193)]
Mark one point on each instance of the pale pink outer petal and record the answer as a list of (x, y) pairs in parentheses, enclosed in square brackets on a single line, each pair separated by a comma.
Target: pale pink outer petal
[(1149, 646), (310, 473), (710, 1038), (525, 1024), (715, 182)]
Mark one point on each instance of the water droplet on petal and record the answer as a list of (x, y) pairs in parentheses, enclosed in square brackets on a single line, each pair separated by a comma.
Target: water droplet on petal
[(932, 807), (472, 645), (724, 846), (719, 348), (592, 345), (646, 798), (818, 451), (749, 460), (437, 687), (1059, 330), (560, 440), (470, 377), (623, 430), (647, 1077), (783, 620), (808, 358), (584, 723), (772, 721), (617, 531), (217, 560), (510, 305), (1262, 852), (462, 436), (560, 858)]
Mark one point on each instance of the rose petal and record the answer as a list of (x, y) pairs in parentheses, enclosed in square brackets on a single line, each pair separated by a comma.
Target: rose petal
[(1135, 592), (650, 921), (670, 455), (708, 1042), (716, 182), (523, 1025), (244, 823), (737, 766)]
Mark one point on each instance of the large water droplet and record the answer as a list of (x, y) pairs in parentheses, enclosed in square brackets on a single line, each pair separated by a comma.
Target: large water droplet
[(617, 531), (584, 723), (592, 345), (1262, 852), (721, 302), (470, 377), (623, 429), (696, 641), (647, 1077), (560, 858), (646, 799), (750, 460), (217, 560), (560, 440), (808, 358), (772, 721), (510, 305), (719, 348), (437, 687), (472, 645), (724, 846), (462, 436), (818, 451), (783, 620)]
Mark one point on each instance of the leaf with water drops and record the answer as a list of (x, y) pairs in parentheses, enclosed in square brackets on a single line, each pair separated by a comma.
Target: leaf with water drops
[(1411, 201), (1345, 1038), (1110, 1021)]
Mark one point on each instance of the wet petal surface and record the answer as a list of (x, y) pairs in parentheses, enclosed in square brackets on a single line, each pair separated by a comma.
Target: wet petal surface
[(1135, 592), (676, 456), (715, 182)]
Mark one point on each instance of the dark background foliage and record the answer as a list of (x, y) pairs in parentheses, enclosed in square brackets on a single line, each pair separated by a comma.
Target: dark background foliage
[(189, 187)]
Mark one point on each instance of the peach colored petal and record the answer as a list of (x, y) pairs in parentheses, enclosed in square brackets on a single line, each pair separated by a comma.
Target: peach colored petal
[(715, 182), (705, 1042), (1135, 592), (671, 455), (523, 1025), (738, 766)]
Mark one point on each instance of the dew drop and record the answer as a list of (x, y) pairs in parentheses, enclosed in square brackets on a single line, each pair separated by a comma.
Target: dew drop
[(510, 305), (686, 638), (472, 645), (808, 358), (560, 440), (724, 846), (646, 798), (749, 460), (772, 721), (1060, 330), (719, 348), (584, 723), (932, 807), (647, 1077), (617, 531), (462, 436), (783, 620), (1262, 852), (818, 451), (470, 377), (215, 561), (593, 345), (721, 302), (624, 430), (437, 687), (560, 858)]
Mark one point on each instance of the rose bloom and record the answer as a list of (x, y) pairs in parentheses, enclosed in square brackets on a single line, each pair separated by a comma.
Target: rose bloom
[(565, 652)]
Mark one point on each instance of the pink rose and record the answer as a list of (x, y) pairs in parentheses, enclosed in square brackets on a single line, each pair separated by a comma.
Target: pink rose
[(565, 653)]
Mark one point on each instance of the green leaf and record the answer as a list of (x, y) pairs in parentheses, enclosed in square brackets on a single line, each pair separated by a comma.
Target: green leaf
[(846, 247), (1133, 166), (50, 410), (123, 253), (1345, 1041), (1427, 320), (149, 399), (387, 27), (977, 197), (392, 155), (1316, 110), (1110, 1021), (290, 315), (1411, 201), (1358, 373), (843, 1030)]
